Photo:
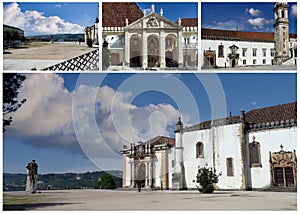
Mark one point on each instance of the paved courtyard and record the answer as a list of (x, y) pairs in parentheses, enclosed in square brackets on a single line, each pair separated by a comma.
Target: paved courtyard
[(117, 200), (41, 56)]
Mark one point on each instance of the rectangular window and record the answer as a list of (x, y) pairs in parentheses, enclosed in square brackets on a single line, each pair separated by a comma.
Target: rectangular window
[(229, 163), (221, 51), (244, 52), (254, 62), (264, 52), (244, 62), (272, 52), (264, 61), (254, 52)]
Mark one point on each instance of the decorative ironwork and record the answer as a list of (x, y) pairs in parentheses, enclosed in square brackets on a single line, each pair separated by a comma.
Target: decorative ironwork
[(85, 62)]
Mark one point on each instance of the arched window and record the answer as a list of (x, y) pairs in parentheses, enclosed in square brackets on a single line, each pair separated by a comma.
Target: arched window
[(254, 148), (229, 166), (199, 150)]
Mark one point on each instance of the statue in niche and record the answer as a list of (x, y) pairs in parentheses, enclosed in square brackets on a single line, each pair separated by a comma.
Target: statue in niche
[(32, 172)]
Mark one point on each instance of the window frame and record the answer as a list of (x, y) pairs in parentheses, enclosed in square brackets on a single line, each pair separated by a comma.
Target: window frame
[(229, 171), (198, 153), (253, 165)]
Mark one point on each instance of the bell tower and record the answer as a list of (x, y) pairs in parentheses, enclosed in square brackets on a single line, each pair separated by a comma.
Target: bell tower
[(281, 32)]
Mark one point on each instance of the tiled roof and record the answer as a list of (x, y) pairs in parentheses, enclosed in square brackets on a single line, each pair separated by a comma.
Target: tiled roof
[(278, 113), (189, 22), (236, 35), (269, 114), (162, 140), (114, 14)]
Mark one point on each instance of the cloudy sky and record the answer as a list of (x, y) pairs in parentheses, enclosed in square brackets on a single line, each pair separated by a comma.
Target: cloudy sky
[(79, 122), (254, 16), (50, 18)]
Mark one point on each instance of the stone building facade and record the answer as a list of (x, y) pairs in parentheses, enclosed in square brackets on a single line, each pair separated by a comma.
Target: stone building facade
[(225, 48), (253, 150), (91, 32), (140, 40)]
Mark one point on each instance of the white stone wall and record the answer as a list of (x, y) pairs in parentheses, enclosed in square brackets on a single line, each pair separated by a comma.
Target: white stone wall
[(220, 61), (226, 142), (270, 140)]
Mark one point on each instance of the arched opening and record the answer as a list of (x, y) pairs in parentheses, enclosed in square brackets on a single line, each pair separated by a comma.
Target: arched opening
[(135, 51), (153, 51), (171, 51)]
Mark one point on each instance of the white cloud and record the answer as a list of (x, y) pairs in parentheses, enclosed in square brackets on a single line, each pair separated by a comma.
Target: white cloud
[(259, 23), (294, 10), (57, 6), (47, 118), (226, 25), (34, 22), (254, 12)]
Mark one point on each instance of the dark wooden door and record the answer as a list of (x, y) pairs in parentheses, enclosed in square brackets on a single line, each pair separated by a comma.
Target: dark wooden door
[(279, 179), (289, 176)]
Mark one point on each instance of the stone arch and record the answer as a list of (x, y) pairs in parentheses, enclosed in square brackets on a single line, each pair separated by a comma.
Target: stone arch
[(136, 51), (171, 50), (153, 49)]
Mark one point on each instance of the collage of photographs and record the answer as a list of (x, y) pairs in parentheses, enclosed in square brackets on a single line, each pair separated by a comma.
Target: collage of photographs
[(109, 106)]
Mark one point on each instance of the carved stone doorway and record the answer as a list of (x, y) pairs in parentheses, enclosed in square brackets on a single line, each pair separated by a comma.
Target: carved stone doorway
[(209, 58), (283, 168)]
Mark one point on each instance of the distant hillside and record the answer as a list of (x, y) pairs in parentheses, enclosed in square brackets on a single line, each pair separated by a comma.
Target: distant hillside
[(58, 37), (16, 182)]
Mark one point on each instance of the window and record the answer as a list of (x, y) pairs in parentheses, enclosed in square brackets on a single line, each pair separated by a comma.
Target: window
[(244, 52), (229, 164), (254, 51), (282, 14), (244, 62), (221, 51), (254, 148), (254, 62), (264, 52), (272, 52), (264, 61), (199, 150)]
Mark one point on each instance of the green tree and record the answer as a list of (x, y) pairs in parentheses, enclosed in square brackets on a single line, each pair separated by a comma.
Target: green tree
[(106, 182), (12, 82), (207, 177)]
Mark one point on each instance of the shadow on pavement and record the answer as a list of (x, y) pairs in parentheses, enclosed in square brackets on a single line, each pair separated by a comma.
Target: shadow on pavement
[(20, 207)]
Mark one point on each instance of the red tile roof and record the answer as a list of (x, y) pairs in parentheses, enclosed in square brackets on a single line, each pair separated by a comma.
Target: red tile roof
[(114, 14), (269, 114), (236, 35), (162, 140), (278, 113), (189, 22)]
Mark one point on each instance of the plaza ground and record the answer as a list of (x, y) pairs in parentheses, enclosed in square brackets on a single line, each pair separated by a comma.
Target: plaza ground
[(41, 55), (116, 200)]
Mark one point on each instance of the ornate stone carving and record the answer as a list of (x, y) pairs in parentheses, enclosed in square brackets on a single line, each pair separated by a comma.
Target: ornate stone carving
[(152, 22)]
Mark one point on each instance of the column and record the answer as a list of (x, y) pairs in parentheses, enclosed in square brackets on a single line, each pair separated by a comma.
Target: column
[(145, 54), (147, 174), (162, 49), (131, 174), (127, 49), (180, 50), (124, 179)]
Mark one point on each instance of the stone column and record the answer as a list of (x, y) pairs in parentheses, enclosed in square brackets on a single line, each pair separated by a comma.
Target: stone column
[(127, 49), (145, 49), (131, 174), (162, 49), (124, 179), (180, 48)]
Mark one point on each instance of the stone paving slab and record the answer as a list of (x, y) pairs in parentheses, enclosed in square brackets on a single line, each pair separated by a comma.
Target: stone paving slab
[(105, 200), (40, 57)]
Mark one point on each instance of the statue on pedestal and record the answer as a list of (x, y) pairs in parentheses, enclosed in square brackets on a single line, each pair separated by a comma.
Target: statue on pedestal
[(32, 172)]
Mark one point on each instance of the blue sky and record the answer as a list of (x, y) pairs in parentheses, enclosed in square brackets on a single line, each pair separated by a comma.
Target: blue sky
[(183, 9), (255, 16), (55, 126), (56, 17)]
